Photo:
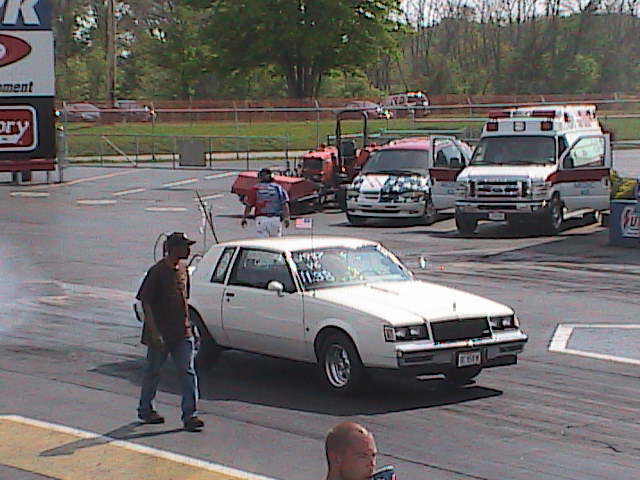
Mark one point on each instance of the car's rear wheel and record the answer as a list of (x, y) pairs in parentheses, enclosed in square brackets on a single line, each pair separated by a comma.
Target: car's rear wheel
[(340, 365), (462, 376), (209, 351)]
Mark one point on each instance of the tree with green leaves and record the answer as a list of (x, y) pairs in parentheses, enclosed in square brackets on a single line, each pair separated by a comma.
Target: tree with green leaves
[(303, 39)]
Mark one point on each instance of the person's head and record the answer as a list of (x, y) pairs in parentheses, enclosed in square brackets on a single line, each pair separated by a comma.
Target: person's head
[(178, 245), (265, 175), (351, 452)]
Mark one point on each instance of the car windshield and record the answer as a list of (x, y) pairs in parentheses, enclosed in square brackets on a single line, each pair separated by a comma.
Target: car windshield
[(515, 150), (400, 162), (341, 266)]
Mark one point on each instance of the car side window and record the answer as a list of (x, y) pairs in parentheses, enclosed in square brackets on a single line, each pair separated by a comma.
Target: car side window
[(256, 268), (587, 152), (220, 272)]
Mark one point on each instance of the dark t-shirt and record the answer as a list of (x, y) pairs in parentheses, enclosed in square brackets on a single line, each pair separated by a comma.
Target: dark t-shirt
[(164, 290)]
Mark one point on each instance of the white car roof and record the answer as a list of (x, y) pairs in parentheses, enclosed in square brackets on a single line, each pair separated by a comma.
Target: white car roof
[(300, 242)]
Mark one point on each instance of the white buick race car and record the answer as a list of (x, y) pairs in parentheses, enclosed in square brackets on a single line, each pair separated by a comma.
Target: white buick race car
[(348, 305)]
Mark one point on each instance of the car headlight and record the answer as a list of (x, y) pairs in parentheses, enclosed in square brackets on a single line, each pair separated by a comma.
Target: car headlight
[(405, 334), (465, 188), (503, 322), (540, 187), (412, 196)]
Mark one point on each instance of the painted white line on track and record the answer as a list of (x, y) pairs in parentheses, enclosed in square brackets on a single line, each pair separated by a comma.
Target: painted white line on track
[(166, 209), (137, 448), (563, 333), (209, 197), (179, 182), (31, 194), (219, 175), (129, 192), (96, 202), (82, 180)]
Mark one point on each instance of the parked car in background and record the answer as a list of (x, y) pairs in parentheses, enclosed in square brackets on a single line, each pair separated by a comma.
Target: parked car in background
[(349, 306), (373, 109), (133, 111), (79, 112), (402, 104)]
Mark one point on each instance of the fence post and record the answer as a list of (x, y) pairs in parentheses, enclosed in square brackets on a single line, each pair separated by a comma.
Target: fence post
[(235, 116), (317, 123), (62, 153)]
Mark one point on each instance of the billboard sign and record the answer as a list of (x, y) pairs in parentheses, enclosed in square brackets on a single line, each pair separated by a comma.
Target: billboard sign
[(26, 64), (25, 15), (18, 128)]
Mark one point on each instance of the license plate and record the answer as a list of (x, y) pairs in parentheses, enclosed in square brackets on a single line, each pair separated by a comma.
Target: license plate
[(466, 359), (496, 216)]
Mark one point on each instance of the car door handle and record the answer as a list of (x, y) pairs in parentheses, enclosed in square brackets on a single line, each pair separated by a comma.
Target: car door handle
[(229, 294)]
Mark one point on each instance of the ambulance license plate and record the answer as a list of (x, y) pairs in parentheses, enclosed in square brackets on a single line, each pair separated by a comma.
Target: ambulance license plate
[(466, 359), (496, 216)]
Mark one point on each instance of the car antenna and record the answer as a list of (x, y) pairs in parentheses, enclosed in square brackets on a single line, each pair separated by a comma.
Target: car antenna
[(207, 216)]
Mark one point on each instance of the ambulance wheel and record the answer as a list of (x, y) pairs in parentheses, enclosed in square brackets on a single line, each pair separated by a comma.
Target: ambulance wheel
[(466, 224), (430, 213), (554, 217), (355, 220)]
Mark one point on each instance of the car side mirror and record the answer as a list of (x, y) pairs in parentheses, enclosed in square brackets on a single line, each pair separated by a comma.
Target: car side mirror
[(275, 286)]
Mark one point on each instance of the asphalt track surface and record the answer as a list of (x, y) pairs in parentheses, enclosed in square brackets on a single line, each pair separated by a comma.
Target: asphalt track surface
[(70, 361)]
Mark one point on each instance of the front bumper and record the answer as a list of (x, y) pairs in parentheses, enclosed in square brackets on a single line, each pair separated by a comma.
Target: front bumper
[(374, 209), (501, 210), (415, 359)]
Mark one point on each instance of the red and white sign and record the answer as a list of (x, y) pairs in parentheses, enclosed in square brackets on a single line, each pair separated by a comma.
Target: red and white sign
[(629, 222), (18, 128), (26, 64)]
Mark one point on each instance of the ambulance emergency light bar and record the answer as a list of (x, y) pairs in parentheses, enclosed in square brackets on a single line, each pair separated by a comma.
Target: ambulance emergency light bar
[(547, 125)]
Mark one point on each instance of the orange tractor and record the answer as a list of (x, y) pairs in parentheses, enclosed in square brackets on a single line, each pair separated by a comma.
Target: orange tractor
[(321, 175)]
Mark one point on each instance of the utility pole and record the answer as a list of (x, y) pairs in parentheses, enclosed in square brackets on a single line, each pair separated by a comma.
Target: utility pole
[(111, 52)]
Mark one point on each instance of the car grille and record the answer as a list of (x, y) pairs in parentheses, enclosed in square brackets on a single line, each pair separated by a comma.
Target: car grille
[(500, 189), (463, 329)]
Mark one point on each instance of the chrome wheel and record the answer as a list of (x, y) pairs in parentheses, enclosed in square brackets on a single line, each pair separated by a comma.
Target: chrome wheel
[(337, 366)]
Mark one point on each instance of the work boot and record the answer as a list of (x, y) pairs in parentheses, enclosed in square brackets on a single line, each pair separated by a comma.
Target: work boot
[(193, 424), (151, 417)]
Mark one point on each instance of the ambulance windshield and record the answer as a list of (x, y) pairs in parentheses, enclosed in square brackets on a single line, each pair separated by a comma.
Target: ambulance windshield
[(515, 150)]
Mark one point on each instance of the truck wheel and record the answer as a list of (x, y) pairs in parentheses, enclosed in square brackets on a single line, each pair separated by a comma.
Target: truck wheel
[(355, 220), (209, 351), (554, 217), (461, 377), (466, 224), (340, 365), (430, 213)]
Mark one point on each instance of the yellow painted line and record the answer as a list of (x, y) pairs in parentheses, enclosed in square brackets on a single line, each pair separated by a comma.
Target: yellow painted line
[(67, 453), (82, 180)]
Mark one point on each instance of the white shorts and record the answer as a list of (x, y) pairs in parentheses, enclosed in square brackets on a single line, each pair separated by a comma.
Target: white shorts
[(268, 226)]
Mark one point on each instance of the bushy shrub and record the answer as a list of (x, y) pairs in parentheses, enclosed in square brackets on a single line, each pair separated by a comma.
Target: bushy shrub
[(622, 188)]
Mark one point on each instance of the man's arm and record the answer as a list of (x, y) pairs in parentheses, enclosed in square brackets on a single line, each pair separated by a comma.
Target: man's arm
[(285, 214), (150, 322), (245, 214)]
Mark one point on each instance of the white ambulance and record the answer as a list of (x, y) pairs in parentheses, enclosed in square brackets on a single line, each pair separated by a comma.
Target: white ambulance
[(536, 164), (410, 178)]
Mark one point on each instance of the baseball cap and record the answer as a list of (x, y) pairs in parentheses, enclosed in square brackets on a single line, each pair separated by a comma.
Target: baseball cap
[(265, 172), (178, 239)]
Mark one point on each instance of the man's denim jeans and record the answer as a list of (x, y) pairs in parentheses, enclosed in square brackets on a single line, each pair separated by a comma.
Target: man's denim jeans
[(183, 358)]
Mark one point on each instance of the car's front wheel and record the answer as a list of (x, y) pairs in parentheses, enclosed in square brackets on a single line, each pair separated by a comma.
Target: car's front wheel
[(208, 350), (340, 365)]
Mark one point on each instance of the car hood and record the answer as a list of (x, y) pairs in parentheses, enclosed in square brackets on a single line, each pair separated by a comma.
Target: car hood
[(517, 172), (408, 302)]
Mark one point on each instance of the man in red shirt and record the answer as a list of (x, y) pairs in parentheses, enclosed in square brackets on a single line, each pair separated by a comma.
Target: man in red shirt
[(271, 204)]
